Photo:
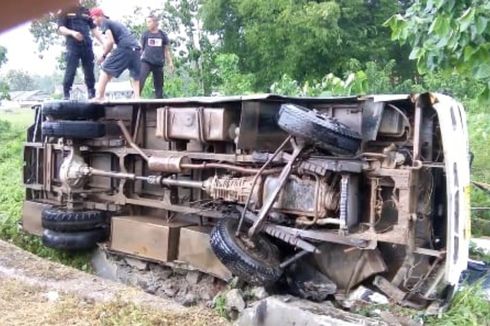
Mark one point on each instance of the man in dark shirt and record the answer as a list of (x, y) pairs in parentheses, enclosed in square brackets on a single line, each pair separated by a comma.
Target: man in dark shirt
[(76, 25), (125, 56), (156, 53)]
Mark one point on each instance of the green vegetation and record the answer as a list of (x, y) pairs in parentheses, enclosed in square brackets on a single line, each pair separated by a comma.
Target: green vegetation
[(309, 48), (220, 305), (469, 307), (450, 35), (12, 136)]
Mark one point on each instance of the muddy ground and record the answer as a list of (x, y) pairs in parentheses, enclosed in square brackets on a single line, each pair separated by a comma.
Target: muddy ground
[(34, 291)]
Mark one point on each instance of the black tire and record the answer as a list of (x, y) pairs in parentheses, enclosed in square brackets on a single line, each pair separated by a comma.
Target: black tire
[(259, 266), (73, 110), (63, 220), (320, 130), (74, 129), (74, 241)]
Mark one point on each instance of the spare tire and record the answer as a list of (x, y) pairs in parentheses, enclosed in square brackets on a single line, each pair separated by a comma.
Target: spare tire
[(74, 129), (258, 265), (73, 110), (74, 241), (320, 130), (63, 220)]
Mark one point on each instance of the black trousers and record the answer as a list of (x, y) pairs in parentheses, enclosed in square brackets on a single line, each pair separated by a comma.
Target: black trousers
[(73, 56), (157, 72)]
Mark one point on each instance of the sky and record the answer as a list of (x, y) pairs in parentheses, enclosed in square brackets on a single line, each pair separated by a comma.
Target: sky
[(22, 50)]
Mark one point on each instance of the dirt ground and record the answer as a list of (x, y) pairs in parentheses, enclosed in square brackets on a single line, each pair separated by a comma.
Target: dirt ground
[(34, 291)]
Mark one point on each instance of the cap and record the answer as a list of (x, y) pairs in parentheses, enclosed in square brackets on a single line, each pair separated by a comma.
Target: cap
[(97, 12)]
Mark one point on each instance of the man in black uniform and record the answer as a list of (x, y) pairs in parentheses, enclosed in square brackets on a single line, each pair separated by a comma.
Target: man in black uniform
[(156, 53), (125, 56), (76, 25)]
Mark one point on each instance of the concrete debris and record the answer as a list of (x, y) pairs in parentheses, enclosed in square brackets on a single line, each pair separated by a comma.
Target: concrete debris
[(193, 277), (289, 311), (234, 301), (259, 293), (364, 295), (189, 299), (170, 292), (183, 286), (161, 273), (394, 320), (136, 263), (103, 266)]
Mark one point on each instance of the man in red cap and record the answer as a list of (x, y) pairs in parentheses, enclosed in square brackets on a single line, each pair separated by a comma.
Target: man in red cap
[(125, 56)]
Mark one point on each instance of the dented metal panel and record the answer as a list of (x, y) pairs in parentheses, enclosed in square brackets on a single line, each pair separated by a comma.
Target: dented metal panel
[(194, 249)]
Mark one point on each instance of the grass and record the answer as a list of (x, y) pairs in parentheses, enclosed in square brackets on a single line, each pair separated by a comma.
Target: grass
[(12, 135), (469, 307), (479, 129), (22, 304), (220, 305), (19, 118)]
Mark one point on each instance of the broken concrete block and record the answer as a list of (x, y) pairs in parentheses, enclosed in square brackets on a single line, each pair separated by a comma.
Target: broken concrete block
[(259, 293), (193, 277), (136, 263), (365, 295), (104, 266), (289, 311), (189, 300), (234, 301)]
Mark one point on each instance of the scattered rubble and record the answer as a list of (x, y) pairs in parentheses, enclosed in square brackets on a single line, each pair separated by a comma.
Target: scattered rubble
[(234, 300), (288, 310), (259, 293), (185, 287), (136, 263), (364, 295)]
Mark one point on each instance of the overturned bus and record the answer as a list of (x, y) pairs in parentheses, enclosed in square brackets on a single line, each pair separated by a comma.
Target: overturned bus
[(359, 190)]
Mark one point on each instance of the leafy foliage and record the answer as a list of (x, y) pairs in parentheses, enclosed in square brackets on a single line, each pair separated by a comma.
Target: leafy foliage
[(303, 39), (227, 77), (20, 80), (45, 29), (4, 88), (449, 35), (3, 55)]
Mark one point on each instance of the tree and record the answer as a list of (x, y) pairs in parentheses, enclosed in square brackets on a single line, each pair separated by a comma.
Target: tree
[(19, 80), (3, 55), (448, 35), (45, 29), (304, 39), (4, 88)]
